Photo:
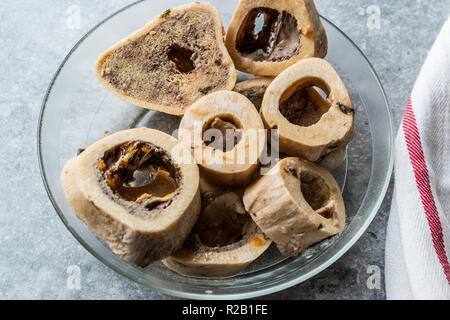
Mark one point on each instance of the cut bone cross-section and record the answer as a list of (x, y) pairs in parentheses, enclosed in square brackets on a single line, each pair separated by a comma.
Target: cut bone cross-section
[(136, 194), (297, 204), (223, 242), (254, 89), (171, 62), (315, 127), (265, 36), (334, 159), (229, 159)]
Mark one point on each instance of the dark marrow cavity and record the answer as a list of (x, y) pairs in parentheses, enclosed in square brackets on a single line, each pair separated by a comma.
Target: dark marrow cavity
[(141, 173), (255, 95), (304, 104), (223, 223), (316, 192), (275, 38), (182, 58), (222, 133)]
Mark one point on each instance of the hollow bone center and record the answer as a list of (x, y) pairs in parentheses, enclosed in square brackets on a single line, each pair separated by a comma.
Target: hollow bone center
[(278, 38)]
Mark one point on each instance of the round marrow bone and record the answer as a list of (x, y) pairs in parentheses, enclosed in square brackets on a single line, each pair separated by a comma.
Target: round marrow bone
[(297, 204), (171, 62), (291, 31), (227, 137), (310, 131), (334, 159), (254, 89), (135, 194), (223, 242)]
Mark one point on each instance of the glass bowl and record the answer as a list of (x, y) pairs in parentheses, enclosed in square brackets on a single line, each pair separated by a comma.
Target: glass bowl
[(78, 110)]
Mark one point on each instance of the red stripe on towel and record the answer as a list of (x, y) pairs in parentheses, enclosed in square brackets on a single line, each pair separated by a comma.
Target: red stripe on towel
[(417, 158)]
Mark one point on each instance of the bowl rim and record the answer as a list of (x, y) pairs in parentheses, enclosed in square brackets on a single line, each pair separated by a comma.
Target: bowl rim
[(233, 296)]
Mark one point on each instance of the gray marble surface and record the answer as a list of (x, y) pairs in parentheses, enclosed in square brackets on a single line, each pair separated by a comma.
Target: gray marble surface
[(35, 247)]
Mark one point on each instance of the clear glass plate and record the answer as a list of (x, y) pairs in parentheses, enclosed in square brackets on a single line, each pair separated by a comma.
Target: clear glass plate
[(77, 111)]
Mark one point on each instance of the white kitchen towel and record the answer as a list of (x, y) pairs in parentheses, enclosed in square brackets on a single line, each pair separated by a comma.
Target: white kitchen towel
[(418, 234)]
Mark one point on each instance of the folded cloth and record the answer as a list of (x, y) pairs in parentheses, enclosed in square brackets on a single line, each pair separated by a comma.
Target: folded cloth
[(418, 233)]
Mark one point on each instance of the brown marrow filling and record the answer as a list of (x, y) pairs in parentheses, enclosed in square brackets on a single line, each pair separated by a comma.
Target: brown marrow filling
[(268, 35), (316, 192), (314, 189), (223, 224), (255, 95), (222, 133), (303, 107), (318, 195), (140, 176)]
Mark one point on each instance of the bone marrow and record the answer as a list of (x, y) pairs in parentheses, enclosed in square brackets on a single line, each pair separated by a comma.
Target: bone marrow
[(223, 242), (254, 89), (200, 204), (309, 125), (297, 204), (226, 135), (307, 102), (334, 159), (139, 176), (135, 194), (171, 62), (303, 108), (278, 39), (265, 37)]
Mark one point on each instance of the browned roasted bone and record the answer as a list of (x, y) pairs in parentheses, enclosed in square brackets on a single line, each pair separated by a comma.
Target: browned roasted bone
[(135, 193), (265, 37)]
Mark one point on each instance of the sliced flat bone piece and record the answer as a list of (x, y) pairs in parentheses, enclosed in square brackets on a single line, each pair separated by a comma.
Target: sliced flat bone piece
[(171, 62)]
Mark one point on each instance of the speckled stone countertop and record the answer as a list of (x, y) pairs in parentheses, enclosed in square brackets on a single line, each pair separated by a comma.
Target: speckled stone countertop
[(35, 247)]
